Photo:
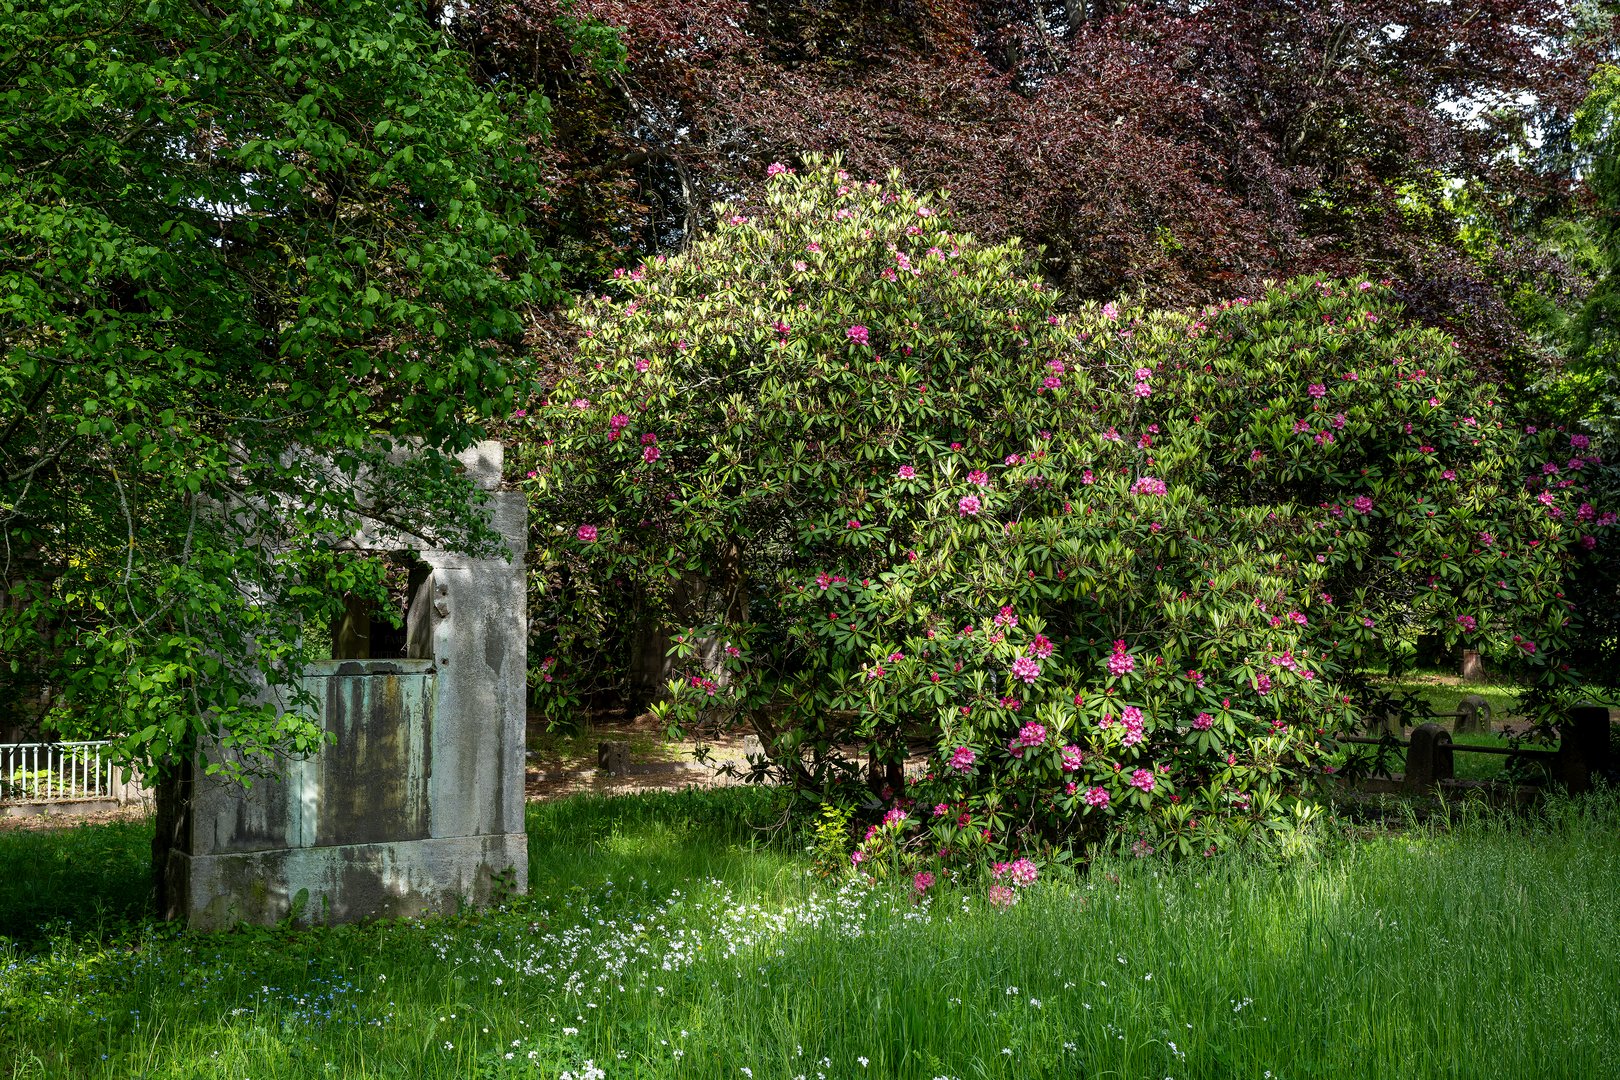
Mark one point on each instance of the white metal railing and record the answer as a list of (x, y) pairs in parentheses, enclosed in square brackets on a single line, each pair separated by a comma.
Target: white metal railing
[(55, 772)]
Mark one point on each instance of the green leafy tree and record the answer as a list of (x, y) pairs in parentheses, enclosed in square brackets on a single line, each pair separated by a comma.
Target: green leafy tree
[(248, 252)]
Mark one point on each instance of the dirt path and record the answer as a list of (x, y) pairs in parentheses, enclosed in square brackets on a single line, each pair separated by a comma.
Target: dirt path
[(563, 765)]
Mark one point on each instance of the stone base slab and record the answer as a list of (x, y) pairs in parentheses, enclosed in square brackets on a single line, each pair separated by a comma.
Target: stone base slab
[(345, 883)]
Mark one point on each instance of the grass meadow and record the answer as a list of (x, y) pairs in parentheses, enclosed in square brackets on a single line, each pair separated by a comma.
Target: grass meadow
[(665, 937)]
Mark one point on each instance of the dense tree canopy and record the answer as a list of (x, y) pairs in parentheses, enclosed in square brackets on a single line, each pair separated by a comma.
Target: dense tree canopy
[(1188, 150), (245, 249)]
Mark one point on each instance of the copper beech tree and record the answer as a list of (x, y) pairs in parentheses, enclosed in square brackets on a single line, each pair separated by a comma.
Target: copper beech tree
[(1187, 150)]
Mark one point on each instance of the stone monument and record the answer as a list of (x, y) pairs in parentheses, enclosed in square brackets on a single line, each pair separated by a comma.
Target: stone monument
[(416, 806)]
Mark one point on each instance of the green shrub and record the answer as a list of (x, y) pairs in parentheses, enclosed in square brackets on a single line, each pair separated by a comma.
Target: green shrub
[(1111, 561)]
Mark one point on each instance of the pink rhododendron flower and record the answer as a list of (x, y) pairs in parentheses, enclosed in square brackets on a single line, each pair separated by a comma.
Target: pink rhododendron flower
[(1097, 797), (962, 759), (1131, 718), (968, 505), (1149, 485), (1110, 310), (1041, 647), (1032, 734), (1073, 758), (586, 533), (776, 168), (1362, 504), (1467, 622), (907, 472), (1143, 779), (940, 809), (1021, 872), (896, 816), (1026, 669), (650, 454), (1203, 722), (1122, 662), (978, 478), (1002, 896), (1317, 390), (857, 334), (923, 881)]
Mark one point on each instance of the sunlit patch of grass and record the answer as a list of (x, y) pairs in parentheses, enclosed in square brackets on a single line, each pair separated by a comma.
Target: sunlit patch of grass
[(667, 937)]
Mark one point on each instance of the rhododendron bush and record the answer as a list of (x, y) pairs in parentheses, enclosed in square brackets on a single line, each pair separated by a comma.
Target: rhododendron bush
[(1121, 568)]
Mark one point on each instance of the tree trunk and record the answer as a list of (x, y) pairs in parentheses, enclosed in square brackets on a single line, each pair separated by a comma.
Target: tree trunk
[(171, 791)]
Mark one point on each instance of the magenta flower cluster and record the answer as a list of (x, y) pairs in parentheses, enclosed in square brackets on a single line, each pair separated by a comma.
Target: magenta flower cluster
[(1121, 662), (1149, 485)]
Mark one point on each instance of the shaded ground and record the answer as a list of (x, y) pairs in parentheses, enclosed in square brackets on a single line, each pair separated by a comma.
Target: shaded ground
[(560, 764), (55, 820)]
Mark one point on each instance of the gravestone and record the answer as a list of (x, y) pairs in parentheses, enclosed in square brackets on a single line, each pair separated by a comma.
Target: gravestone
[(1428, 758), (1584, 747), (1473, 669), (1473, 714), (417, 805), (613, 757)]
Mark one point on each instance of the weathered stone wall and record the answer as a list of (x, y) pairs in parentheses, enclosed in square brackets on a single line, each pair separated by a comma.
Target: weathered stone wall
[(417, 805)]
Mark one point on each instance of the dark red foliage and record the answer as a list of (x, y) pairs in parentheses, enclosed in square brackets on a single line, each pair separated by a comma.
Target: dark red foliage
[(1185, 149)]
